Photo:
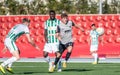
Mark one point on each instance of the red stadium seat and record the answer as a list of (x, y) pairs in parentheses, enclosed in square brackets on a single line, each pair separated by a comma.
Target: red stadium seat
[(108, 32), (36, 18), (112, 18), (117, 40), (91, 19), (36, 25), (105, 18), (3, 19), (43, 18), (9, 25), (115, 32), (37, 33), (16, 19), (107, 25), (9, 19), (84, 19), (113, 25), (3, 33), (87, 32), (98, 18), (38, 40), (23, 40), (118, 18), (78, 18)]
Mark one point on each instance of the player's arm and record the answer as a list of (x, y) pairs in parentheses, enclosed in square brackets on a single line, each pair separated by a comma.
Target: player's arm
[(30, 40), (101, 40), (45, 32), (45, 35), (58, 33), (78, 26), (4, 49), (89, 40)]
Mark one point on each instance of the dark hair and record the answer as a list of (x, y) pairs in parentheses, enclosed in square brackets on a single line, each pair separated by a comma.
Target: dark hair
[(52, 11), (25, 20), (64, 15), (93, 25)]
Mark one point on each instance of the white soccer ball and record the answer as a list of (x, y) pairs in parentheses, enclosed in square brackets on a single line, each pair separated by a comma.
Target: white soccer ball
[(100, 30)]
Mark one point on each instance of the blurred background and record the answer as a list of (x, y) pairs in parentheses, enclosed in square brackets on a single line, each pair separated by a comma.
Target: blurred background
[(37, 7)]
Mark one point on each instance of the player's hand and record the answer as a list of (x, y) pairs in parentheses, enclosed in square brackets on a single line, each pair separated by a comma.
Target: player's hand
[(38, 48), (82, 29)]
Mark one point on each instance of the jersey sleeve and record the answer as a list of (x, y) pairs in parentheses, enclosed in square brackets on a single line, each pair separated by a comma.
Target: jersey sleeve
[(73, 24), (45, 25), (58, 29), (90, 33), (27, 31)]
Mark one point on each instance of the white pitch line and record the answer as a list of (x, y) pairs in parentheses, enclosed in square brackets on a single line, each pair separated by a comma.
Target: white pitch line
[(68, 66)]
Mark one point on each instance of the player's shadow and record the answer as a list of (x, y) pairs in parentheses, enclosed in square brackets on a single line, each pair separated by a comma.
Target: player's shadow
[(30, 72), (77, 70)]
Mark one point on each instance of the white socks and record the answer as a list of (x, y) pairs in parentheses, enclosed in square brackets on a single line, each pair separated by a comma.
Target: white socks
[(95, 55), (47, 59), (59, 64), (10, 65), (9, 61)]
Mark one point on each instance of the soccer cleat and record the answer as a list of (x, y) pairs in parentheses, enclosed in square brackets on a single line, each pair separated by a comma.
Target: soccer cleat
[(59, 70), (64, 64), (2, 69), (50, 66), (52, 69), (9, 70), (94, 63), (97, 60)]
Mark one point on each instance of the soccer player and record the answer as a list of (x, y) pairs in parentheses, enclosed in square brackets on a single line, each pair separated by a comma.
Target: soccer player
[(10, 39), (94, 35), (64, 35), (52, 42)]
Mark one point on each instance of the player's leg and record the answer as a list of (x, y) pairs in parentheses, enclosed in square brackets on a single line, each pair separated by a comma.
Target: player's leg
[(95, 55), (55, 48), (46, 51), (9, 66), (58, 56), (11, 60), (60, 65), (69, 48), (13, 50), (93, 50)]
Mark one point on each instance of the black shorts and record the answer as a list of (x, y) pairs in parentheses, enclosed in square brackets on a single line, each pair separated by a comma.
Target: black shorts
[(63, 47)]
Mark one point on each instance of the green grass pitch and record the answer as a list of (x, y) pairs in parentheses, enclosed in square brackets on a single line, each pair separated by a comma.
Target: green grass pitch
[(38, 68)]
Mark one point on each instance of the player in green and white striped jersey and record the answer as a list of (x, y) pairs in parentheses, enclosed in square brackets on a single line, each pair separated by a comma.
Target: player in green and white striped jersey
[(94, 35), (10, 39), (52, 42)]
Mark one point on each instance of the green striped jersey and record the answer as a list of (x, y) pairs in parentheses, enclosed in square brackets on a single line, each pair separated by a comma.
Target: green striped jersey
[(18, 30), (51, 26), (94, 37)]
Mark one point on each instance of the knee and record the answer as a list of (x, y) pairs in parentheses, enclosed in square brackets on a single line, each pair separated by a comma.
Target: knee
[(45, 54), (18, 57), (58, 55)]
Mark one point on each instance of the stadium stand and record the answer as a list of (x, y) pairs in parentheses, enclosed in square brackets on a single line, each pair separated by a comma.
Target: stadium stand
[(111, 24)]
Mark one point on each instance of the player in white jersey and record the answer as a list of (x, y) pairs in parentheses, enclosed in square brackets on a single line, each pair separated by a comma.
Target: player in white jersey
[(52, 42), (94, 35), (10, 39)]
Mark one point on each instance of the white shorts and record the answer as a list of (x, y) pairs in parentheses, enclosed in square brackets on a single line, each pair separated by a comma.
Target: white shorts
[(10, 44), (93, 48), (51, 47)]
